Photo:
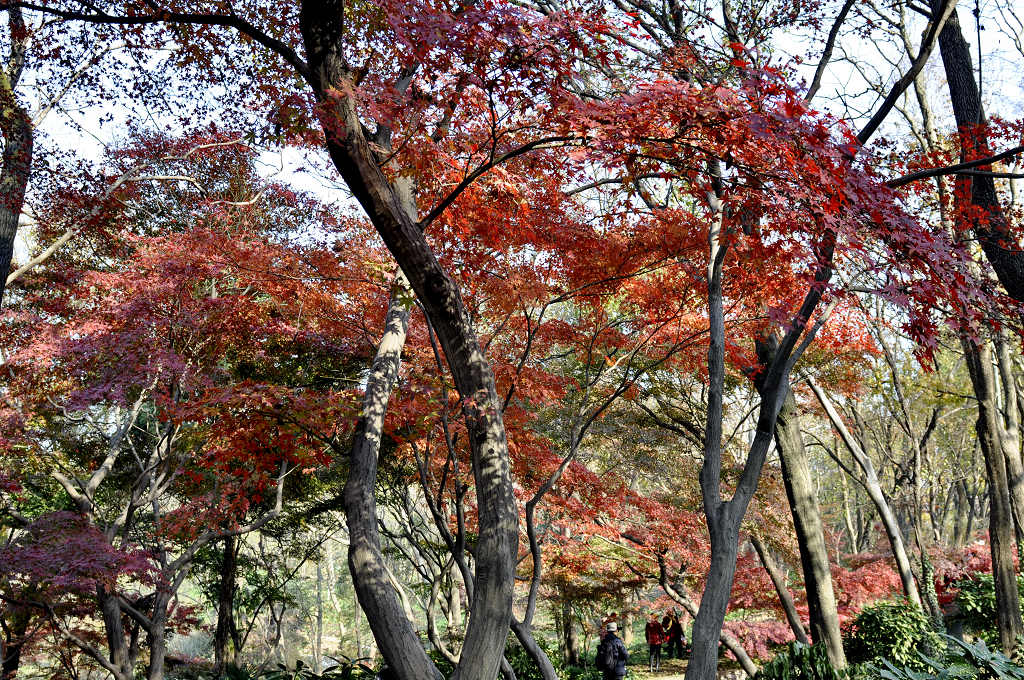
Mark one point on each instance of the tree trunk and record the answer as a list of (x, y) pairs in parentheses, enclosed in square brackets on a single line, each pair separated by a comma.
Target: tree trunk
[(1001, 532), (994, 236), (993, 230), (877, 496), (779, 581), (371, 579), (570, 635), (156, 636), (707, 625), (539, 657), (810, 532), (1010, 438), (17, 159), (226, 630), (113, 626), (10, 651), (322, 25)]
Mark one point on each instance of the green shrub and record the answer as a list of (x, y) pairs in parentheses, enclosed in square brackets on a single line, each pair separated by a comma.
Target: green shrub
[(962, 661), (896, 631), (523, 665), (977, 603), (579, 673), (800, 662)]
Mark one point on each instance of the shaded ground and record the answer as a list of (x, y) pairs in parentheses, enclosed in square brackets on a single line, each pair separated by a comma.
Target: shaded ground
[(673, 669)]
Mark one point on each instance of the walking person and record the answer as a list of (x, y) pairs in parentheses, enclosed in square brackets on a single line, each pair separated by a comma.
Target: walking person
[(612, 654), (674, 633), (655, 636)]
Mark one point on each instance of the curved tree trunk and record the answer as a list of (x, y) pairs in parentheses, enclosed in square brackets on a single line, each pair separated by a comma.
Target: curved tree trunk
[(874, 488), (322, 25), (779, 581)]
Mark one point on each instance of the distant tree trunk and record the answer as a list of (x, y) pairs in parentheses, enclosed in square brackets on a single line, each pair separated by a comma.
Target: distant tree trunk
[(318, 640), (1001, 532), (570, 635), (226, 631), (17, 131), (810, 532), (779, 581), (877, 495)]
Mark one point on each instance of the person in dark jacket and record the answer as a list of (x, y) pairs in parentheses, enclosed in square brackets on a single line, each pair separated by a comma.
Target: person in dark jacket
[(617, 652), (674, 634)]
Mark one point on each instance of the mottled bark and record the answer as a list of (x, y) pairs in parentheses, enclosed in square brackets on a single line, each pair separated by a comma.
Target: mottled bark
[(810, 531), (371, 578), (17, 157), (322, 24), (227, 631), (1001, 533)]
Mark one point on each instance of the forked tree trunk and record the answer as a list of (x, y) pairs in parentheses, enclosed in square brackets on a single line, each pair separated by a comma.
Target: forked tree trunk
[(371, 581), (322, 23)]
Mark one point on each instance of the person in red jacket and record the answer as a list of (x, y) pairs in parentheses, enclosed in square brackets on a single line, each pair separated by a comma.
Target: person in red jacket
[(655, 637)]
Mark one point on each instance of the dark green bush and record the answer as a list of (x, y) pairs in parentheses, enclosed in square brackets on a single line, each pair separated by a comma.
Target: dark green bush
[(896, 631), (580, 673), (961, 661), (523, 665), (800, 662), (977, 603)]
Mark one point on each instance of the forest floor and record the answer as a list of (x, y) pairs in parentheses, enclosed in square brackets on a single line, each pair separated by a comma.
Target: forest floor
[(674, 669)]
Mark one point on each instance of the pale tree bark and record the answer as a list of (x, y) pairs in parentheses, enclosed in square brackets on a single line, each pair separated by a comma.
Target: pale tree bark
[(810, 531), (1010, 436), (1001, 533), (874, 488)]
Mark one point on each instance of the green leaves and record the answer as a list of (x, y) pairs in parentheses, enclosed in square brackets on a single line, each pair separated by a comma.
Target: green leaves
[(963, 660), (801, 662)]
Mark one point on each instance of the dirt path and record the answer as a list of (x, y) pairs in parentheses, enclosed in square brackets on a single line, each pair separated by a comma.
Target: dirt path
[(674, 669)]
